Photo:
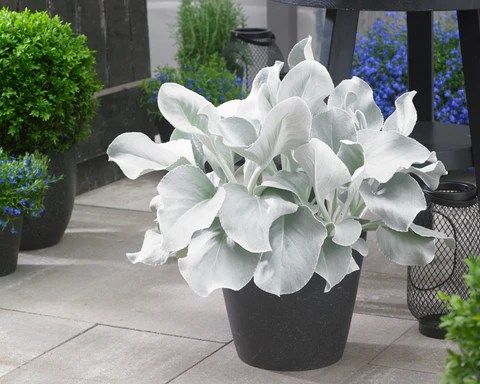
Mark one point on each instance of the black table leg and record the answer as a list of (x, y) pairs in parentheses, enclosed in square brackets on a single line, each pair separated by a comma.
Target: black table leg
[(338, 43), (469, 27), (420, 61)]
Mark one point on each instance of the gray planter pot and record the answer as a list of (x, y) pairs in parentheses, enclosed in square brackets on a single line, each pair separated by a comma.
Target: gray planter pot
[(48, 230), (9, 247), (303, 331)]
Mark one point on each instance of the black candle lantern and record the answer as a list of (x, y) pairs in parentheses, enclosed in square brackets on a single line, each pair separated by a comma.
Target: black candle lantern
[(252, 49), (452, 209)]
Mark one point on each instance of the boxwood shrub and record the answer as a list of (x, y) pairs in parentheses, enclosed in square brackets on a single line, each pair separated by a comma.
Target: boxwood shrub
[(47, 86)]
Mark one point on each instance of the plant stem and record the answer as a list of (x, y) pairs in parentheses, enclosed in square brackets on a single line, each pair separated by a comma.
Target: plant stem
[(371, 226), (253, 180)]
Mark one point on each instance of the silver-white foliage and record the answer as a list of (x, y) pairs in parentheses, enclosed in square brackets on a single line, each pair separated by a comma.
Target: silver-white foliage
[(318, 161)]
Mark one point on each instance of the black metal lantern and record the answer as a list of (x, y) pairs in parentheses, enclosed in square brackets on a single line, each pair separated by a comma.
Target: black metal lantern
[(453, 210), (252, 49)]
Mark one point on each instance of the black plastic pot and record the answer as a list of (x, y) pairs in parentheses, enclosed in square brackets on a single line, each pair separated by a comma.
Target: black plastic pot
[(298, 332), (9, 247), (48, 230)]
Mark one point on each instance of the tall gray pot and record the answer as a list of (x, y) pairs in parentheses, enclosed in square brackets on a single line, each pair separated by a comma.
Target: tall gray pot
[(302, 331), (48, 230)]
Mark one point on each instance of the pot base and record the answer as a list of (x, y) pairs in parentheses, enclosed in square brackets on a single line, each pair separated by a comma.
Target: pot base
[(9, 247), (303, 331), (47, 231)]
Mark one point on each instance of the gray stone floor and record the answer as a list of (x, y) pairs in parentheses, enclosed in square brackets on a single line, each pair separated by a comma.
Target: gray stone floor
[(80, 313)]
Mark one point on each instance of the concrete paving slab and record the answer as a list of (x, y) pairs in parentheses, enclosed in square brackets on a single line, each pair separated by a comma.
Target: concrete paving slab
[(124, 194), (87, 277), (25, 336), (106, 355), (382, 294), (415, 352), (369, 335), (372, 374)]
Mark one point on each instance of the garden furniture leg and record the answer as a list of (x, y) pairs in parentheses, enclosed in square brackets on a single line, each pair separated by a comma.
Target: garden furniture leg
[(338, 43), (469, 28)]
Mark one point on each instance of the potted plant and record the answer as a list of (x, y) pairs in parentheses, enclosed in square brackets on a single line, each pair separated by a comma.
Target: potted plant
[(463, 327), (47, 103), (202, 32), (23, 184), (281, 233)]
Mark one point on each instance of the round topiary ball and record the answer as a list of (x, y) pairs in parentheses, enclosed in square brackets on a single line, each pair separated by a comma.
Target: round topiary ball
[(47, 83)]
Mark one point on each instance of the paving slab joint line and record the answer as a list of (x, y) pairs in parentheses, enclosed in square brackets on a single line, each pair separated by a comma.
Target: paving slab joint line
[(348, 380), (47, 315), (223, 343), (408, 370), (112, 208), (51, 349), (197, 363)]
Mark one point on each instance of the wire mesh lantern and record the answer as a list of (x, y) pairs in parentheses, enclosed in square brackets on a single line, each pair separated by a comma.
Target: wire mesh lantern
[(452, 209), (252, 49)]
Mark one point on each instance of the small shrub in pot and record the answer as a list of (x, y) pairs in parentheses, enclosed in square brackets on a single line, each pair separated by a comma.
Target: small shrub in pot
[(46, 104), (314, 160), (24, 182)]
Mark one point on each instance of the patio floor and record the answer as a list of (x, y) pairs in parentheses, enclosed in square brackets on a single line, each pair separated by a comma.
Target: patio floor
[(79, 312)]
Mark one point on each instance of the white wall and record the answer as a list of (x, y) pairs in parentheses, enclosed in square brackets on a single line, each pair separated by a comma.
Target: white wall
[(162, 17)]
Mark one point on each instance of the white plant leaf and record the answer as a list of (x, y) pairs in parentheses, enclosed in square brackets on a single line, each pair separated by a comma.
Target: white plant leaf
[(214, 261), (351, 155), (286, 127), (356, 95), (388, 152), (430, 174), (247, 219), (404, 118), (308, 80), (353, 266), (197, 146), (296, 243), (190, 203), (325, 170), (136, 154), (152, 252), (333, 126), (432, 233), (333, 263), (220, 153), (237, 133), (180, 106), (415, 247), (296, 182), (396, 202), (300, 52), (347, 232), (361, 247)]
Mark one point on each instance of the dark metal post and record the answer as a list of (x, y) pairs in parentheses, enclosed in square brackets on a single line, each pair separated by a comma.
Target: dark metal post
[(469, 27), (420, 61), (338, 43)]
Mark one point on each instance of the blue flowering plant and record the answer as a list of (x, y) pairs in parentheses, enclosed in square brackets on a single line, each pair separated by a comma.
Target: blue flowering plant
[(212, 80), (23, 183), (381, 60)]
